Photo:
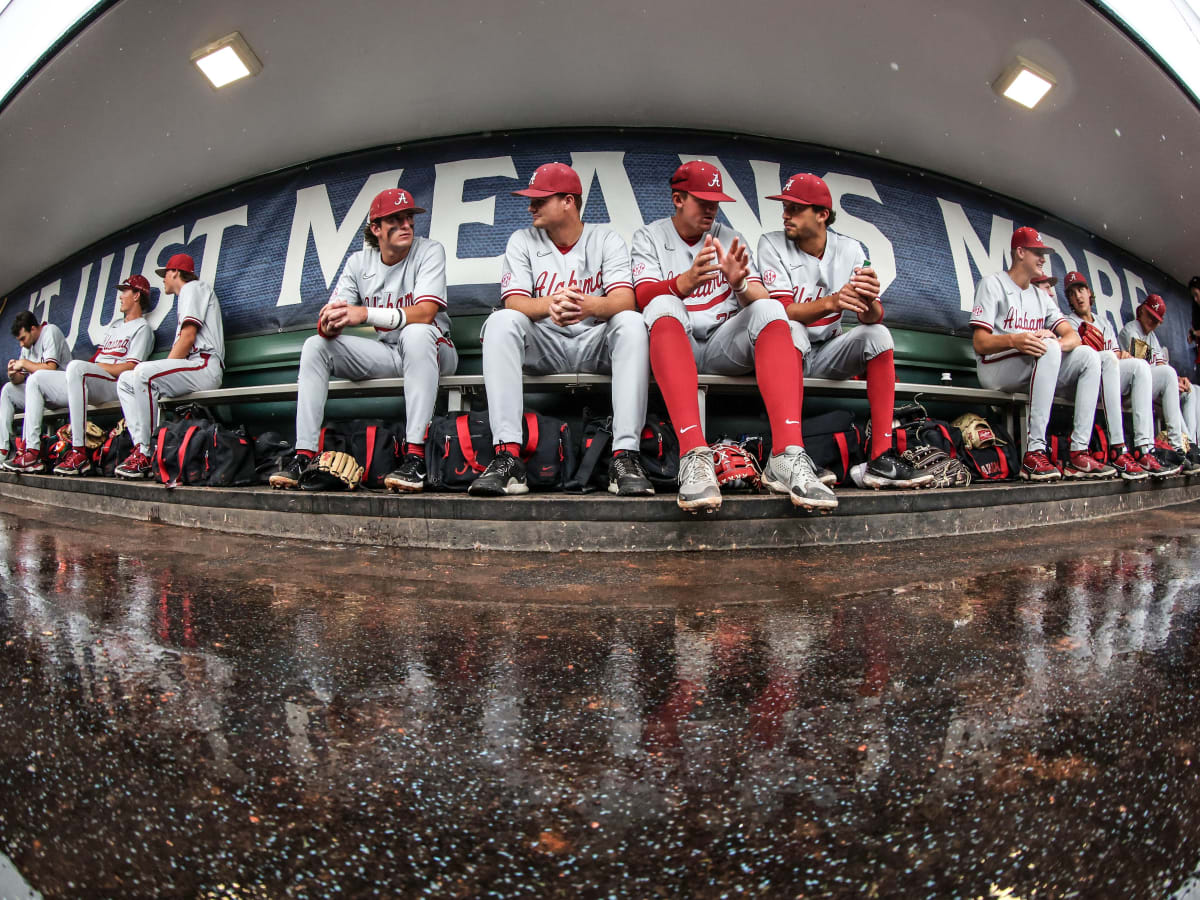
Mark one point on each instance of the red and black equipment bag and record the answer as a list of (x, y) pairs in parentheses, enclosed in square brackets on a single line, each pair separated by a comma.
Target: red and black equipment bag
[(999, 462), (834, 442), (374, 444), (658, 452), (459, 447)]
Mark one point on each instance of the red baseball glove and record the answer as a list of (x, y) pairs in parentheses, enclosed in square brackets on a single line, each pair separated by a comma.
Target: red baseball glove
[(735, 467), (1091, 335)]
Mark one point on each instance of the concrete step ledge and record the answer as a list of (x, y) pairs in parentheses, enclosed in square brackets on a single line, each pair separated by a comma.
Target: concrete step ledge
[(597, 522)]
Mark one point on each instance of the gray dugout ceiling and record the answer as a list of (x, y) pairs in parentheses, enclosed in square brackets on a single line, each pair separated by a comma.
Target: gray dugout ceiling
[(118, 125)]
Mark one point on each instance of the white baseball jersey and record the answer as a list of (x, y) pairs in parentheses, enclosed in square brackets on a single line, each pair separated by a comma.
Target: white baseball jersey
[(198, 306), (1105, 326), (1133, 331), (50, 346), (534, 267), (793, 276), (660, 254), (367, 281), (1003, 308), (125, 341)]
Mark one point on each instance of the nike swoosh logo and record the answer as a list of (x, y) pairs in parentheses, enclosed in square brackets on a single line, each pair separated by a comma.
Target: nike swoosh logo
[(686, 430), (790, 422), (544, 252)]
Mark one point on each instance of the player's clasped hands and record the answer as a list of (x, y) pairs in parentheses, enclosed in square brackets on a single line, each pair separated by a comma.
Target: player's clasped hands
[(568, 306), (338, 314), (1032, 343)]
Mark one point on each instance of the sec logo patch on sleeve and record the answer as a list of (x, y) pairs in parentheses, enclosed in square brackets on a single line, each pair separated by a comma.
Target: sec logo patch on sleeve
[(977, 311)]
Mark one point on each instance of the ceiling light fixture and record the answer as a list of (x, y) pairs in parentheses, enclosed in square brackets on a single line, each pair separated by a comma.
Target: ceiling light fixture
[(1023, 82), (226, 60)]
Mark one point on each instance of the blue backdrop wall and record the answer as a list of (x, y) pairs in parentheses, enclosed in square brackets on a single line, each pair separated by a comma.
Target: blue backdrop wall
[(273, 247)]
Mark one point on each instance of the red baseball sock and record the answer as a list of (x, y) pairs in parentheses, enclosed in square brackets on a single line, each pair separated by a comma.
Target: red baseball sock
[(415, 449), (881, 396), (674, 369), (781, 383), (308, 453), (514, 449)]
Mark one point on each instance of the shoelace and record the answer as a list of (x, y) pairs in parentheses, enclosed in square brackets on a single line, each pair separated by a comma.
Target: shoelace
[(803, 465), (692, 468)]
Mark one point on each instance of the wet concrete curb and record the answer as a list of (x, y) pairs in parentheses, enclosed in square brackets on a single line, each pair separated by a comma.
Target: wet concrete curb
[(556, 522)]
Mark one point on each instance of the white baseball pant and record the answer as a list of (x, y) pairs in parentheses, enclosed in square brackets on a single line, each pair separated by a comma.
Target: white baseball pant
[(513, 343), (844, 355), (140, 389), (12, 398), (80, 384), (421, 356), (1166, 392), (729, 349), (1189, 405), (1042, 377), (1127, 377)]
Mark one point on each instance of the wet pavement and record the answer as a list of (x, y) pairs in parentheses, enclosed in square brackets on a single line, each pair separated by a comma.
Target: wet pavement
[(184, 714)]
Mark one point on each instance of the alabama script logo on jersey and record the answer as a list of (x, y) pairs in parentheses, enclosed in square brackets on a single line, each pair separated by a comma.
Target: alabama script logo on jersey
[(115, 346), (548, 283), (1017, 320)]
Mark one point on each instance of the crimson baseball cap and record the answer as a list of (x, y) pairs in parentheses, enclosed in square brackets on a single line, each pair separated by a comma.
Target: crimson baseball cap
[(391, 202), (1028, 238), (806, 189), (135, 283), (1156, 306), (181, 262), (550, 179), (700, 180), (1075, 279), (1051, 280)]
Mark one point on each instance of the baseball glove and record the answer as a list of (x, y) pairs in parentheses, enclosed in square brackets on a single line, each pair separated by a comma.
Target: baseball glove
[(1091, 336), (736, 468), (333, 470), (976, 431), (1139, 349), (946, 471)]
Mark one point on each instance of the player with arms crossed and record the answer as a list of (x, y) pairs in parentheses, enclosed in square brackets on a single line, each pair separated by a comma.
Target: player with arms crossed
[(1023, 342), (1120, 376), (42, 347), (568, 306), (195, 361), (398, 285), (819, 275), (706, 310), (1174, 392), (126, 343)]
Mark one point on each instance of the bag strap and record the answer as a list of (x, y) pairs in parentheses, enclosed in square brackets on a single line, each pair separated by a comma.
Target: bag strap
[(949, 440), (1002, 458), (839, 438), (183, 445), (371, 429), (531, 426), (591, 458), (901, 436), (162, 470), (463, 427)]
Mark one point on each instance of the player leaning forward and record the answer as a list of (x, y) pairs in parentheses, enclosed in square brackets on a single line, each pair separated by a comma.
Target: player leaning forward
[(398, 285), (127, 342), (706, 310), (43, 348), (195, 361), (1023, 342), (818, 275), (568, 307)]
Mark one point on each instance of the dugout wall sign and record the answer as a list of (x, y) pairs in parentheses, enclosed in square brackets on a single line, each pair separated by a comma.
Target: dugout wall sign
[(273, 247)]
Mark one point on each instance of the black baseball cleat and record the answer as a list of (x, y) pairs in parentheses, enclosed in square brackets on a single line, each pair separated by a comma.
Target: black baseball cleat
[(1188, 464), (889, 470), (288, 477), (409, 478), (625, 476), (504, 475)]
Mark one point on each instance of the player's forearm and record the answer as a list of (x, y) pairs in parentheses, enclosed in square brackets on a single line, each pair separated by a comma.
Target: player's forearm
[(873, 315), (754, 291), (606, 306), (534, 307), (422, 313), (182, 348), (31, 367), (1069, 341), (812, 310), (986, 344), (115, 369)]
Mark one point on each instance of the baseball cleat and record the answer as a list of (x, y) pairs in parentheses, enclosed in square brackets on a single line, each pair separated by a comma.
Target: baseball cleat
[(791, 472), (504, 475), (1081, 464), (1151, 465), (1036, 466), (1189, 465), (75, 462), (28, 461), (888, 470), (409, 478), (1127, 467), (1168, 462), (136, 465), (825, 476), (288, 477), (626, 477), (698, 487)]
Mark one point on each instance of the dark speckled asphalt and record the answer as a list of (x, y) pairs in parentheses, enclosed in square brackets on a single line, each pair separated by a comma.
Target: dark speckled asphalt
[(186, 714)]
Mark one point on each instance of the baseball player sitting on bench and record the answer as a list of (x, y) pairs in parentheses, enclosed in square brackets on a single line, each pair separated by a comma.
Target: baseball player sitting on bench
[(397, 284), (1023, 342), (706, 310), (568, 306), (42, 347), (195, 361), (128, 341), (1174, 392), (819, 275), (1121, 375)]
